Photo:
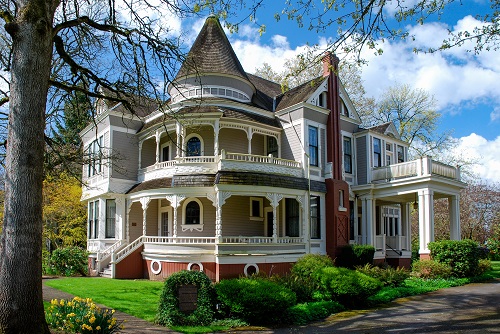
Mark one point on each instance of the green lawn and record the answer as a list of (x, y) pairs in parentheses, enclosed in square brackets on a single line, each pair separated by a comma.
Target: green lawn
[(136, 297)]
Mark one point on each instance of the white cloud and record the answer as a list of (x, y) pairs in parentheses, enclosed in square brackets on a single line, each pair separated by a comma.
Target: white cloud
[(484, 153), (495, 114)]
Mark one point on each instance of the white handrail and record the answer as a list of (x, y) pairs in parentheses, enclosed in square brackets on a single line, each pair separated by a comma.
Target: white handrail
[(123, 253)]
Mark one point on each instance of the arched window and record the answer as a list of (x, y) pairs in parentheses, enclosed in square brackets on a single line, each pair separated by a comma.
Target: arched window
[(193, 147), (192, 213)]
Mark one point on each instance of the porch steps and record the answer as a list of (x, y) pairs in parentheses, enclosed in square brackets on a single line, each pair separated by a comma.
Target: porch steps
[(106, 272)]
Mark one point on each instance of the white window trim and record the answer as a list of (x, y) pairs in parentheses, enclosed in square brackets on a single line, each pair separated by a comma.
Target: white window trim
[(202, 143), (261, 209), (192, 227)]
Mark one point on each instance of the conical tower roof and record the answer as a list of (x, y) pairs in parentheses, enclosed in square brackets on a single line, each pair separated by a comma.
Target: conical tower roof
[(211, 53)]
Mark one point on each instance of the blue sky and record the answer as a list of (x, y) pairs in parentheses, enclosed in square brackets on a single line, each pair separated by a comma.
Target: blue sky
[(465, 85)]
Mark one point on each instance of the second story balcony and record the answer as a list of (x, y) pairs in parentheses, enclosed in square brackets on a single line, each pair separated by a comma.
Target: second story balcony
[(421, 167), (226, 161)]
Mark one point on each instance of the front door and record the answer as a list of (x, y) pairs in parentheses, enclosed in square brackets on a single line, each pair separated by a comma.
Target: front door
[(164, 224)]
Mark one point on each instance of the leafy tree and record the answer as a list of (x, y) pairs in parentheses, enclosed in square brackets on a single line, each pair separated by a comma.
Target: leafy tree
[(64, 216), (413, 112)]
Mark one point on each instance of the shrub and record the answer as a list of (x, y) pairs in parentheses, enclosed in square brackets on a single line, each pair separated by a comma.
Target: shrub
[(461, 255), (69, 261), (303, 287), (483, 266), (388, 276), (308, 264), (430, 269), (256, 300), (302, 314), (169, 313), (355, 255), (493, 245), (81, 316), (349, 287)]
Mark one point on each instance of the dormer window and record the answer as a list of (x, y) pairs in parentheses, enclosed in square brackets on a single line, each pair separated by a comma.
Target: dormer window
[(322, 100), (343, 109)]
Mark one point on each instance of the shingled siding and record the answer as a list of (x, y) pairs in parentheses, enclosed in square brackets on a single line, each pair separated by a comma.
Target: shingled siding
[(362, 163), (126, 150), (233, 140), (290, 144)]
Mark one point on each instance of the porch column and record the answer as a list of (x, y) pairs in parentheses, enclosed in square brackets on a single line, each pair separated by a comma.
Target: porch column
[(367, 220), (425, 220), (140, 154), (175, 202), (157, 138), (127, 226), (454, 206), (218, 202), (274, 199), (405, 225), (145, 203), (249, 137), (179, 129), (216, 137)]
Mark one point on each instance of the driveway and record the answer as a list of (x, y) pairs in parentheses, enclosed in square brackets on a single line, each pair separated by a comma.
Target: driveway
[(473, 308)]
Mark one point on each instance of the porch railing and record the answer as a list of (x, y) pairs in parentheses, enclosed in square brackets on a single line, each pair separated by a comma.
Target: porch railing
[(420, 167)]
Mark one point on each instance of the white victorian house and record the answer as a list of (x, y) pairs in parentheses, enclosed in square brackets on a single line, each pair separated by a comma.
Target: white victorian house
[(238, 177)]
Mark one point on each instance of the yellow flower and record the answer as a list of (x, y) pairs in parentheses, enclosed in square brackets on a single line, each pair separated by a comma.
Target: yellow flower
[(61, 302), (53, 301), (98, 328), (92, 320)]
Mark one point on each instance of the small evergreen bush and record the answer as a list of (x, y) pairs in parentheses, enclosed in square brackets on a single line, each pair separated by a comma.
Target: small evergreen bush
[(256, 300), (430, 269), (303, 287), (352, 256), (69, 261), (461, 255), (388, 276), (349, 287), (81, 316), (169, 313), (302, 314)]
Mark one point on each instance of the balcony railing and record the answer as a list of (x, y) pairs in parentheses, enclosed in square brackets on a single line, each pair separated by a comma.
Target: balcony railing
[(424, 166), (226, 161)]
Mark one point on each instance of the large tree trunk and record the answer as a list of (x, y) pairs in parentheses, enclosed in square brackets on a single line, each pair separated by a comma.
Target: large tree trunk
[(21, 304)]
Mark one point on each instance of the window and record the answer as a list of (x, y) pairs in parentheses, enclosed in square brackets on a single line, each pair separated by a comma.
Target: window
[(256, 208), (401, 154), (347, 155), (272, 146), (315, 218), (377, 153), (292, 217), (322, 98), (165, 153), (94, 157), (193, 147), (164, 224), (93, 220), (341, 200), (344, 111), (110, 218), (192, 213), (313, 146)]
